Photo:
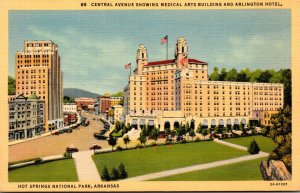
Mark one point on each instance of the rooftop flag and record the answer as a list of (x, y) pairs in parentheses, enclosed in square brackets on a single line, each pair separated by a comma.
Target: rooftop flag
[(127, 66), (164, 40)]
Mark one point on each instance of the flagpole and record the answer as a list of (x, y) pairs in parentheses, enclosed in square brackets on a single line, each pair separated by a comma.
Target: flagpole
[(130, 69), (167, 45)]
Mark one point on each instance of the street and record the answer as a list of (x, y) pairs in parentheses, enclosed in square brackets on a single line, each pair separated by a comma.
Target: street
[(82, 138)]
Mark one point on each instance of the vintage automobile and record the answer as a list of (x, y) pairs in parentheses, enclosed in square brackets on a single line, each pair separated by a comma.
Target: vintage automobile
[(95, 147), (71, 149)]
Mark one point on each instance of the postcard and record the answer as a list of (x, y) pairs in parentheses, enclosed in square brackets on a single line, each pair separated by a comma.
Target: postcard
[(149, 95)]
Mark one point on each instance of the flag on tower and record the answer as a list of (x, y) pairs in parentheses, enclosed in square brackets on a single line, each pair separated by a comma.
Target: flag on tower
[(164, 39), (127, 66), (182, 61)]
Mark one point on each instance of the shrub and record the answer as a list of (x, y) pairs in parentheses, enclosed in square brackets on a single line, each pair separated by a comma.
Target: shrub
[(122, 170), (105, 174), (183, 141), (38, 161), (119, 148), (115, 174), (139, 146), (253, 147), (67, 155), (168, 140), (153, 144)]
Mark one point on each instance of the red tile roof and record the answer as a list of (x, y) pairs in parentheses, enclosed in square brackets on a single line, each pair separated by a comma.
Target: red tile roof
[(195, 61), (162, 62)]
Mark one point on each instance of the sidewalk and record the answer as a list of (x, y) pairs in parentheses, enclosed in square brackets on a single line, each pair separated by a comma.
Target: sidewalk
[(85, 166), (230, 144)]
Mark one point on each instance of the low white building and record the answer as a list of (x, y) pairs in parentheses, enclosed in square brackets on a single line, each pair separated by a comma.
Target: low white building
[(70, 107)]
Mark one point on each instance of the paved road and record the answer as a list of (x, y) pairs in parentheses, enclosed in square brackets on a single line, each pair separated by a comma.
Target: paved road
[(82, 138), (85, 166)]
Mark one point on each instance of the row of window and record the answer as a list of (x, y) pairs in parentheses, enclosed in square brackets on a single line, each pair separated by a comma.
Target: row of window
[(267, 88), (30, 65)]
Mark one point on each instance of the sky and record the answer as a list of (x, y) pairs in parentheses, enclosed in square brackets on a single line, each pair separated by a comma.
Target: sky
[(95, 45)]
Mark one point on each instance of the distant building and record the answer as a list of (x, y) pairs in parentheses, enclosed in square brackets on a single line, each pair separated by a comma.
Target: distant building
[(104, 104), (26, 117), (70, 107), (115, 101), (118, 113), (84, 103), (11, 97), (38, 71), (70, 118)]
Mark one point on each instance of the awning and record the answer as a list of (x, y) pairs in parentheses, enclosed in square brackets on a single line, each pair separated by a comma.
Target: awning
[(228, 122), (205, 123), (243, 121), (236, 121), (213, 122), (221, 122), (150, 122), (142, 122), (134, 122)]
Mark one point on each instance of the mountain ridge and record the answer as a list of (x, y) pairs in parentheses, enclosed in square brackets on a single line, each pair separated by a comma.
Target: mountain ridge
[(76, 93)]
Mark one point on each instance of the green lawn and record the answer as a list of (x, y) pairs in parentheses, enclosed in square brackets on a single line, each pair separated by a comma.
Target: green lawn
[(248, 170), (56, 171), (148, 160), (265, 144)]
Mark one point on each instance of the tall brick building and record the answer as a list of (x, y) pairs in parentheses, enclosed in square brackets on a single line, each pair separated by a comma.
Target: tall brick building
[(38, 71)]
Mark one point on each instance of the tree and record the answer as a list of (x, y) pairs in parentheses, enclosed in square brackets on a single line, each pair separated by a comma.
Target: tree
[(155, 134), (204, 132), (265, 76), (142, 138), (187, 127), (223, 74), (253, 147), (105, 174), (255, 74), (11, 86), (242, 77), (280, 132), (122, 170), (217, 129), (215, 74), (231, 75), (199, 128), (126, 140), (68, 99), (115, 174), (112, 141), (192, 134)]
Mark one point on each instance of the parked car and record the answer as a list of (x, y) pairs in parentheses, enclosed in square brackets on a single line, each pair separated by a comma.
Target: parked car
[(95, 147), (99, 136), (71, 149)]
